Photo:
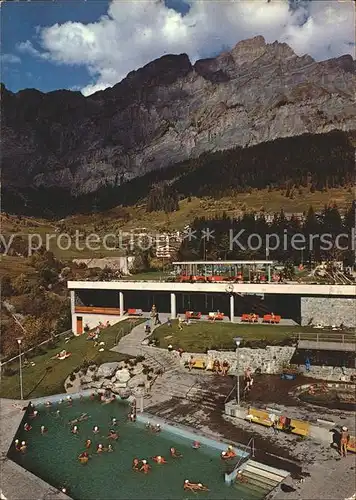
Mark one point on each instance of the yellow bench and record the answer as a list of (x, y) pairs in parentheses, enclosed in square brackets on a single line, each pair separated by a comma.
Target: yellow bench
[(200, 364), (352, 444), (300, 427), (259, 417)]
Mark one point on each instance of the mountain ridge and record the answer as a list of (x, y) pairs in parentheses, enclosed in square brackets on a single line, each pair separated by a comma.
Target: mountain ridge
[(171, 111)]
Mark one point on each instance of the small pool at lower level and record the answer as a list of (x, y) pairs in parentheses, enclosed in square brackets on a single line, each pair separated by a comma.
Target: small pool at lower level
[(53, 457)]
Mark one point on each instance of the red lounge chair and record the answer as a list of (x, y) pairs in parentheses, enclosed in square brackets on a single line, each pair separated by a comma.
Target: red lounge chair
[(245, 318), (267, 318), (215, 316), (134, 312), (192, 315)]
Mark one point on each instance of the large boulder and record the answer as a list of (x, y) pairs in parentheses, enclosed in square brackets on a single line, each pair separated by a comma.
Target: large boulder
[(97, 385), (107, 370), (123, 376), (86, 379), (136, 381), (118, 387)]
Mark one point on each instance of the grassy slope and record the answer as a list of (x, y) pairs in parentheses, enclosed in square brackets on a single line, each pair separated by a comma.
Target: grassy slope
[(137, 217), (200, 336), (48, 375)]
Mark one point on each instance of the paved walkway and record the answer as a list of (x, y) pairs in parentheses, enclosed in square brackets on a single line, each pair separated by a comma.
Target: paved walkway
[(132, 345)]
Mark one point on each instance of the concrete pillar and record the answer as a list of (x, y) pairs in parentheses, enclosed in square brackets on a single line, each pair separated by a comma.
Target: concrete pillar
[(72, 311), (121, 301), (173, 306), (232, 308)]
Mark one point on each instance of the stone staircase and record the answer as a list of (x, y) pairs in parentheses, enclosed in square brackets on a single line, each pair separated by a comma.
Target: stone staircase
[(194, 389), (261, 478)]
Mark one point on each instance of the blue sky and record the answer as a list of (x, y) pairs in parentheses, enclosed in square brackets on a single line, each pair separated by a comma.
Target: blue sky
[(18, 24), (91, 45), (19, 21)]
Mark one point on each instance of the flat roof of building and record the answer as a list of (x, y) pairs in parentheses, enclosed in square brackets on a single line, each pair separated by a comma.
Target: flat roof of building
[(239, 288), (224, 262)]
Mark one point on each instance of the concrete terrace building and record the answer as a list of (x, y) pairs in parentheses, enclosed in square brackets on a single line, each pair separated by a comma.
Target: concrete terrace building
[(95, 301)]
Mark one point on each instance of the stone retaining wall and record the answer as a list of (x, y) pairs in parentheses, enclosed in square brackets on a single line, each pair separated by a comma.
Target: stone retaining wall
[(330, 373), (269, 360), (328, 311)]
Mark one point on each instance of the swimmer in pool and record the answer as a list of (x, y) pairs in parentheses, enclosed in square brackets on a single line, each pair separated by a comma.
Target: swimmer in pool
[(113, 421), (145, 468), (159, 460), (75, 430), (88, 443), (43, 430), (113, 435), (240, 477), (156, 428), (17, 445), (136, 464), (83, 458), (194, 486), (27, 427), (96, 429), (100, 448), (175, 453), (23, 447), (196, 445), (228, 454), (110, 448)]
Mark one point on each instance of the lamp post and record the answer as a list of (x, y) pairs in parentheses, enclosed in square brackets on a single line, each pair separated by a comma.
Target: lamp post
[(19, 341), (238, 342)]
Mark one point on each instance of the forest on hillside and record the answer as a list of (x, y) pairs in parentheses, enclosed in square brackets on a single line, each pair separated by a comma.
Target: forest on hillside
[(325, 236), (315, 162)]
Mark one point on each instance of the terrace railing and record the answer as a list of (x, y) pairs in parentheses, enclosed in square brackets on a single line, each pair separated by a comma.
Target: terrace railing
[(344, 338)]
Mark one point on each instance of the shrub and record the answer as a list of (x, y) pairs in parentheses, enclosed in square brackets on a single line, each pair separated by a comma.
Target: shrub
[(96, 378), (146, 371), (139, 359), (7, 371), (85, 364), (69, 385), (72, 377), (92, 368)]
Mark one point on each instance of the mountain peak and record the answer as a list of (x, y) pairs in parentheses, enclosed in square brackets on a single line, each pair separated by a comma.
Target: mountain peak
[(249, 50)]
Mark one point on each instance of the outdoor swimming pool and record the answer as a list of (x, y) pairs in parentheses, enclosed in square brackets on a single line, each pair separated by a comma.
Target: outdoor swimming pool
[(53, 457)]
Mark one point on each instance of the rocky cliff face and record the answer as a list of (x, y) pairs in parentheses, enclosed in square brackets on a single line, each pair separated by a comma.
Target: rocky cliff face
[(171, 110)]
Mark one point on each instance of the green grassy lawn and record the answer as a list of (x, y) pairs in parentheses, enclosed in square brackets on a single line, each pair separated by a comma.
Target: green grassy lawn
[(48, 375), (198, 337), (148, 276)]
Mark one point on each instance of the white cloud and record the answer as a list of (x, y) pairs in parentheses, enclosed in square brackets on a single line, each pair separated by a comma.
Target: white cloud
[(9, 59), (28, 48), (133, 33)]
